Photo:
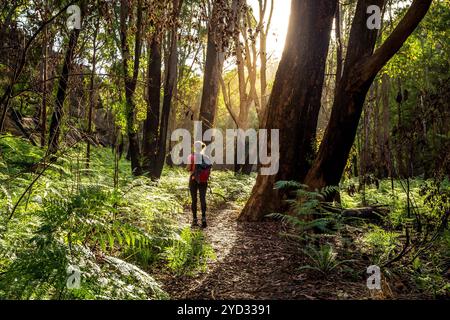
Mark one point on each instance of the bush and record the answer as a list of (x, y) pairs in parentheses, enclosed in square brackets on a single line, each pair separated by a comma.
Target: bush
[(72, 216), (323, 259), (380, 243), (189, 252), (79, 230)]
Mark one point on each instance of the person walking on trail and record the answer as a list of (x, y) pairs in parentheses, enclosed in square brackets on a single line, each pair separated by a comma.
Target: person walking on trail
[(199, 165)]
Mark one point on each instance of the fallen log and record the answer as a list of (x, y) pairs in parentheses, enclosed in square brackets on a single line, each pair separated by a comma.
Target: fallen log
[(376, 213)]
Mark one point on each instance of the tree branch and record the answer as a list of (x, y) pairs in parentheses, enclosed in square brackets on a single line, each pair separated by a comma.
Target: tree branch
[(396, 39), (227, 101)]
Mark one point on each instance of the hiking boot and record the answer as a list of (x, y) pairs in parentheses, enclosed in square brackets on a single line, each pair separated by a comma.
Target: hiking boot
[(194, 223), (203, 223)]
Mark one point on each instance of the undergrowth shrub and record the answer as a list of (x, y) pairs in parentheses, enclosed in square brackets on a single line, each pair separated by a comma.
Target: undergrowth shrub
[(116, 235), (189, 252), (322, 259), (226, 187), (380, 244), (309, 210), (412, 238), (82, 229), (18, 154)]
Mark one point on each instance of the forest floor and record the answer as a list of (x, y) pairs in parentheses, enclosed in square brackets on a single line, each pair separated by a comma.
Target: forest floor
[(255, 262)]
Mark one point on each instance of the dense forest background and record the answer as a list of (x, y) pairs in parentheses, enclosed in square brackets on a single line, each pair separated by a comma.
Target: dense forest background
[(92, 207)]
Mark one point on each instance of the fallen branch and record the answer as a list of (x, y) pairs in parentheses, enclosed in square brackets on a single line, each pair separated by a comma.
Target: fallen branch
[(372, 212)]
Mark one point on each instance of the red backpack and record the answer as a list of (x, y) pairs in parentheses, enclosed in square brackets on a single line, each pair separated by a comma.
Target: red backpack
[(202, 170)]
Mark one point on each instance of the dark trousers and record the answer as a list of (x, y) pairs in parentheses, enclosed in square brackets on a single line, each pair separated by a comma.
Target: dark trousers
[(201, 187)]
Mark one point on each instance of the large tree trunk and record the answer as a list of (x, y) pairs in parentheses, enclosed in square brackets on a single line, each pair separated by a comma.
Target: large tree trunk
[(213, 70), (170, 83), (150, 139), (55, 123), (360, 69), (130, 79), (295, 100)]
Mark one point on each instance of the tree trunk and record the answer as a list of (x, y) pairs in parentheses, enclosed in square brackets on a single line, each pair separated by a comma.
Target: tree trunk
[(55, 123), (360, 70), (43, 114), (264, 30), (171, 80), (263, 70), (130, 80), (295, 101), (213, 70), (172, 125), (91, 94), (338, 27), (386, 125), (150, 139)]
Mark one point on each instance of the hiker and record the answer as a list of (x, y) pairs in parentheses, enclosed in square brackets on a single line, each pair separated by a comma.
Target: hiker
[(199, 165)]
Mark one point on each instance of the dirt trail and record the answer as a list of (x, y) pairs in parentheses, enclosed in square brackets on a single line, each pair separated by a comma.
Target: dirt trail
[(255, 262)]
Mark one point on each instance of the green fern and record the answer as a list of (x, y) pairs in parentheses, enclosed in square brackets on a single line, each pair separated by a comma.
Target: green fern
[(307, 204), (323, 260), (189, 252), (85, 220)]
